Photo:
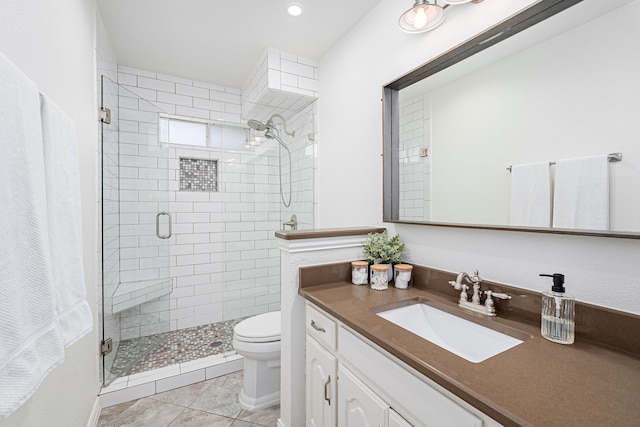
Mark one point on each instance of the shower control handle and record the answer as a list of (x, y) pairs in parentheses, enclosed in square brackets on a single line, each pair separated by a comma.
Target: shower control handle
[(316, 327), (163, 236), (293, 223)]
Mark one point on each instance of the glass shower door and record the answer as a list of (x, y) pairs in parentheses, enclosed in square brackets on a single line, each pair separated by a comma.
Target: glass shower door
[(136, 230)]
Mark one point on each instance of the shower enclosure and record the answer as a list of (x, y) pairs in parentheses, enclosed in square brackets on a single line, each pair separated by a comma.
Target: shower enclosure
[(188, 245)]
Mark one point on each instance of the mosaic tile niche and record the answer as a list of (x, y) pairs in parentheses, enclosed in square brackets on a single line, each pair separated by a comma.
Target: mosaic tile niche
[(198, 174)]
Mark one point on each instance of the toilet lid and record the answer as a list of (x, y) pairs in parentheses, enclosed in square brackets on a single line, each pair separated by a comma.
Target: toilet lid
[(261, 328)]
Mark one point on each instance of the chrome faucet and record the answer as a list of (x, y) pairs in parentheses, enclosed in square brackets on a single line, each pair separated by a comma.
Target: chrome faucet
[(475, 304), (293, 223)]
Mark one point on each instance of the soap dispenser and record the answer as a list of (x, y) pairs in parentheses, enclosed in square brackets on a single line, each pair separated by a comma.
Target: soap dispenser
[(558, 312)]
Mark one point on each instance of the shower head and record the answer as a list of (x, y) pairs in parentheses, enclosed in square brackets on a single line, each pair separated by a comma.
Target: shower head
[(269, 126), (257, 125)]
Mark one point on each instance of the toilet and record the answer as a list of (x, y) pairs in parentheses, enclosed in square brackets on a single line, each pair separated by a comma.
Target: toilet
[(257, 339)]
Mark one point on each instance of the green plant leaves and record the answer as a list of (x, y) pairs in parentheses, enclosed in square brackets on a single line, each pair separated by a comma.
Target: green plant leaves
[(380, 248)]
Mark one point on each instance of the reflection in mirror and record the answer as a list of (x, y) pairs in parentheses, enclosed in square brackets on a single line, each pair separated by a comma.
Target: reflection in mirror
[(565, 93)]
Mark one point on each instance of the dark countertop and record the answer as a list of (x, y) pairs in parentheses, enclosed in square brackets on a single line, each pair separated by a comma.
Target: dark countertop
[(537, 383)]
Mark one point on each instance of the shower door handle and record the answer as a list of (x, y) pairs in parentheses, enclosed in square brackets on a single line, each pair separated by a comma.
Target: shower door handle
[(163, 236)]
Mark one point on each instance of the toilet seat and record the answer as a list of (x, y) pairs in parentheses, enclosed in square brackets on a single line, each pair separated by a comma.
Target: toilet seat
[(261, 328)]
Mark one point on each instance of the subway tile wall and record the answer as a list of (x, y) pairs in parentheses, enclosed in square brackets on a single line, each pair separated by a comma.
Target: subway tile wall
[(280, 79), (222, 254), (303, 168), (415, 170)]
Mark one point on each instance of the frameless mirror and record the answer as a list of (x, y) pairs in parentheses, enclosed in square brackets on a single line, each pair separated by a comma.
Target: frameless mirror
[(564, 88)]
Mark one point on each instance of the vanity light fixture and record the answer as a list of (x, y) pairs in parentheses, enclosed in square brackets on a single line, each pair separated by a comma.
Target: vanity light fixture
[(294, 9), (425, 16)]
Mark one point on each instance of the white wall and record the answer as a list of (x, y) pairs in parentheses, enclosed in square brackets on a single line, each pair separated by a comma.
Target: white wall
[(602, 271), (53, 43), (352, 75)]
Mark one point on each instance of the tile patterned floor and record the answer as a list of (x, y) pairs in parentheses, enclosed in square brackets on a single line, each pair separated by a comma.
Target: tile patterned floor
[(212, 403), (174, 347)]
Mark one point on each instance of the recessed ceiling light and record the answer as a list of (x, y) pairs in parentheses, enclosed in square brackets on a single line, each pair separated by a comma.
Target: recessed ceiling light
[(294, 9)]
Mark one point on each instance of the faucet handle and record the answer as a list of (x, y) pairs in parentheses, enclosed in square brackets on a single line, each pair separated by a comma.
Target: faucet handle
[(457, 286), (463, 294), (490, 307), (500, 295)]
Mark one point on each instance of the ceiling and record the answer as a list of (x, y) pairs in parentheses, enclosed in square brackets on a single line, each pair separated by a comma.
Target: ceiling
[(221, 41)]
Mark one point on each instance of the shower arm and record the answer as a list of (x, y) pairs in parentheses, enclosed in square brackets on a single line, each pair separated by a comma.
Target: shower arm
[(284, 124)]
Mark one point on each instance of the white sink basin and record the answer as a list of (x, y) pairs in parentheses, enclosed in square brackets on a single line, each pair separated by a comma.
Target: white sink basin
[(465, 338)]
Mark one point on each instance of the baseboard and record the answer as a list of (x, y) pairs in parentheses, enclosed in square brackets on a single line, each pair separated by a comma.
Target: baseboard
[(95, 413)]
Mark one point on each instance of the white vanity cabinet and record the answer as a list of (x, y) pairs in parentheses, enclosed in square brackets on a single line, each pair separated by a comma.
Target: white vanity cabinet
[(358, 406), (372, 387), (395, 420), (321, 371)]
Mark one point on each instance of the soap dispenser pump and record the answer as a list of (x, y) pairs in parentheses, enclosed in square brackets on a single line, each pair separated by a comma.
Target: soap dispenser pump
[(558, 312)]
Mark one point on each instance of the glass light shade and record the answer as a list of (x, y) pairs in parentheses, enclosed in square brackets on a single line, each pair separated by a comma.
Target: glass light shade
[(294, 9), (423, 16)]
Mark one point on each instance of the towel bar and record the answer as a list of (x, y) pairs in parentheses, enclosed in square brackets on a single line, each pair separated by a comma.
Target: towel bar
[(612, 157)]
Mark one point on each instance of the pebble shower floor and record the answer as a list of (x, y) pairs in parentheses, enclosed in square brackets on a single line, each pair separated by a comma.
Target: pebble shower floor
[(174, 347)]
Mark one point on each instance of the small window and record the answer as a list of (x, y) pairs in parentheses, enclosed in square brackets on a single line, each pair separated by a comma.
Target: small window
[(201, 133), (228, 137), (175, 131)]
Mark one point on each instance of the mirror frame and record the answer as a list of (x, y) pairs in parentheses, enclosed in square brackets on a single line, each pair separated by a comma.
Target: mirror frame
[(390, 117)]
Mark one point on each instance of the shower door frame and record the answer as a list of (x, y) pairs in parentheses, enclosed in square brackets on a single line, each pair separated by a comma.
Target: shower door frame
[(126, 283)]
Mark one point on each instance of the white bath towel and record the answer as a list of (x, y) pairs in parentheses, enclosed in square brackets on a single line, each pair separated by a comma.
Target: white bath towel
[(30, 345), (530, 195), (581, 195), (62, 178)]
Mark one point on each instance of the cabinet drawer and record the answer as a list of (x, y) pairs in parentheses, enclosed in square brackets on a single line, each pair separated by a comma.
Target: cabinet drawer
[(321, 327)]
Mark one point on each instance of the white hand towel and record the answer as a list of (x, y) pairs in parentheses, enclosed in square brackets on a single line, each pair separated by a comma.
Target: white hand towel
[(530, 195), (581, 196), (62, 178), (30, 345)]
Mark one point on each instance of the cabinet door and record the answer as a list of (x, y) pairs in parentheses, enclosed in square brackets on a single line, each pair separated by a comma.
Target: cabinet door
[(358, 406), (321, 386), (395, 420)]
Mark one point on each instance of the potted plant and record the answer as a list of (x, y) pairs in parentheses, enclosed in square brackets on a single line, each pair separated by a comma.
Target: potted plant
[(380, 248)]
